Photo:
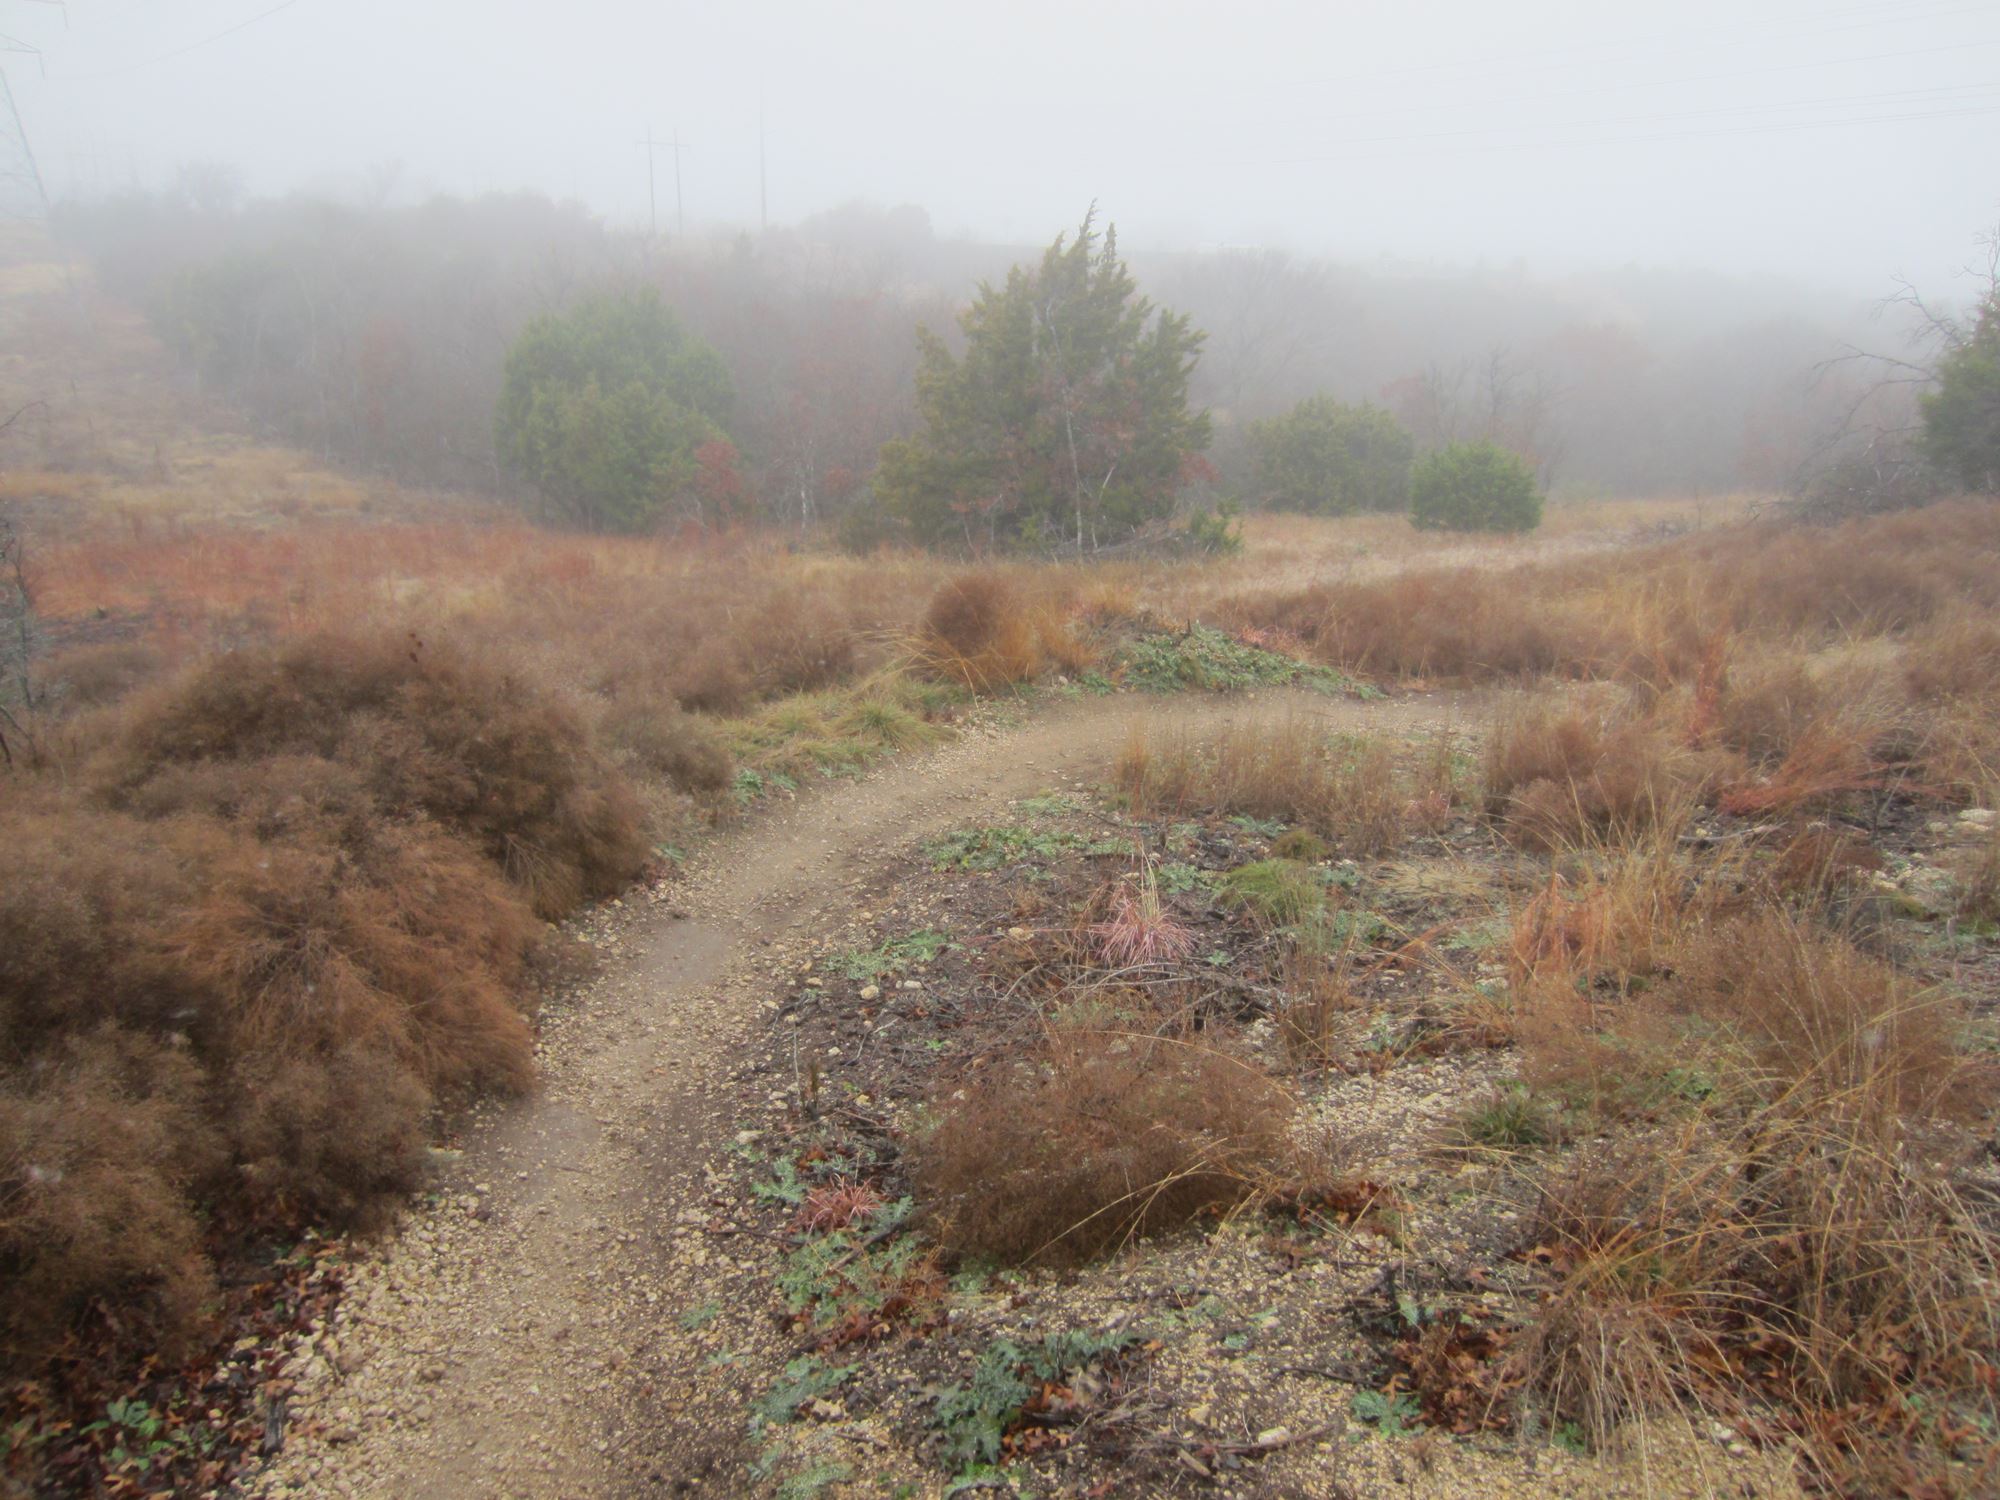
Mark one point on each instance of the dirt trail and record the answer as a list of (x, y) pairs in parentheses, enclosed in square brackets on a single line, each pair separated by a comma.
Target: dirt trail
[(514, 1340)]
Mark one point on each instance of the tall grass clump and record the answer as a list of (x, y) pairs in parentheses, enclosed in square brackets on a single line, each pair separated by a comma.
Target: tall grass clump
[(1073, 1148), (1347, 789), (1795, 1214)]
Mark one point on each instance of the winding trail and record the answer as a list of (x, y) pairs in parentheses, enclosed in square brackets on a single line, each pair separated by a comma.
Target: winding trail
[(514, 1338)]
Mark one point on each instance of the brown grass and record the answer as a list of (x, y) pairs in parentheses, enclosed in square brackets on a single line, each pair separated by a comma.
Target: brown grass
[(1562, 771), (1347, 790), (1800, 1214), (1096, 1138)]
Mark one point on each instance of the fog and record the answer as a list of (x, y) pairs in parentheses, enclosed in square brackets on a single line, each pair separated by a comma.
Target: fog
[(1838, 144)]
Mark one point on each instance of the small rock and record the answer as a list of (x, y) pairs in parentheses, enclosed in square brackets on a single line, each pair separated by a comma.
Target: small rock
[(1979, 819), (871, 992)]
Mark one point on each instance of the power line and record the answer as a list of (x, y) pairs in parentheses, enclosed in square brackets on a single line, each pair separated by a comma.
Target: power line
[(182, 51)]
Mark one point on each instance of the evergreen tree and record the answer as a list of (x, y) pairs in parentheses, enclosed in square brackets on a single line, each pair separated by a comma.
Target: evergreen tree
[(1962, 416), (604, 409), (1064, 425), (1330, 459)]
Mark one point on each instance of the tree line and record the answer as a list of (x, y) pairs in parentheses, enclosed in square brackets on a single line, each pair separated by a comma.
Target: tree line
[(829, 373)]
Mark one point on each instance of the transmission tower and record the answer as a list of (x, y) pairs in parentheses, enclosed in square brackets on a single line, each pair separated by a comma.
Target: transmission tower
[(22, 195)]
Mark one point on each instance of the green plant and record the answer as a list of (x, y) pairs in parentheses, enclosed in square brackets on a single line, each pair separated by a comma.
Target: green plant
[(700, 1317), (805, 1379), (976, 1417), (1217, 532), (1474, 487), (137, 1430), (996, 848), (808, 1483), (1332, 459), (1393, 1416), (611, 411), (893, 956), (1301, 844), (1282, 891), (834, 1275), (1512, 1117), (1204, 659), (784, 1185), (1962, 415)]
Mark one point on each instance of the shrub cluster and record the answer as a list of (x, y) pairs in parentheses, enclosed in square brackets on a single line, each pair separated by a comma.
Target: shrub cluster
[(1474, 487), (286, 916)]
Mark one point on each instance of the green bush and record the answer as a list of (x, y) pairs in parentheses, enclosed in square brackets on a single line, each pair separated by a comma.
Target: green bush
[(1331, 459), (605, 409), (1474, 487), (1962, 416)]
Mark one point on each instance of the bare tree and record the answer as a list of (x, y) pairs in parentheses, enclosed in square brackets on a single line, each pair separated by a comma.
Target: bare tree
[(1867, 458)]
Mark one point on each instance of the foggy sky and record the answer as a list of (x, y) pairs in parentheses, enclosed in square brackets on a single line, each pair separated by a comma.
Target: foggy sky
[(1841, 142)]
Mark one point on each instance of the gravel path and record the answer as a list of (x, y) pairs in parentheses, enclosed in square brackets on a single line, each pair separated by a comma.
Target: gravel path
[(519, 1337)]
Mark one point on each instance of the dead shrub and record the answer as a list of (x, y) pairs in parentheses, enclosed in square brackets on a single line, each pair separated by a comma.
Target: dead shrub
[(409, 947), (1137, 929), (978, 633), (102, 1143), (92, 676), (656, 736), (242, 1010), (1956, 657), (338, 1135), (797, 642), (712, 677), (1820, 1019), (429, 731), (1979, 881), (1465, 624), (1820, 860), (1094, 1139)]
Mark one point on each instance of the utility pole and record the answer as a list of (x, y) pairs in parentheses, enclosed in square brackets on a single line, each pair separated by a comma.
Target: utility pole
[(763, 191), (652, 196), (652, 193)]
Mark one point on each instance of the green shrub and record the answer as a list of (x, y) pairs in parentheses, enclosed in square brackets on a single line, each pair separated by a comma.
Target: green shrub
[(1962, 416), (1331, 459), (607, 410), (1474, 487), (1280, 890)]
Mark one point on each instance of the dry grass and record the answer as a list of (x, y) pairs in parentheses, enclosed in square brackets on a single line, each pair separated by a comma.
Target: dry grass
[(1796, 1211), (1564, 770), (1096, 1138), (1348, 790)]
